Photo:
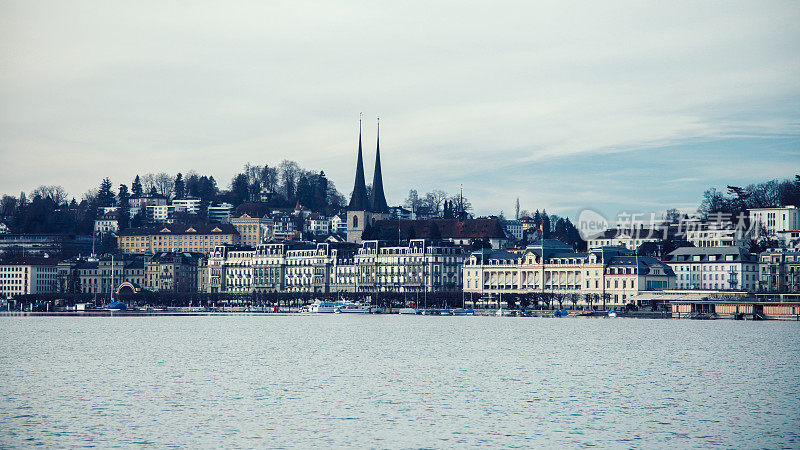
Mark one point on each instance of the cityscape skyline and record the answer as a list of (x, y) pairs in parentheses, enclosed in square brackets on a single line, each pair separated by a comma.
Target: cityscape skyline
[(621, 107)]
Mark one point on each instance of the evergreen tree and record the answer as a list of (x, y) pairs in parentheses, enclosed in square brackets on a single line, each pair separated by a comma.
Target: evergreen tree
[(546, 222), (180, 186), (105, 197), (136, 187), (123, 200), (239, 189)]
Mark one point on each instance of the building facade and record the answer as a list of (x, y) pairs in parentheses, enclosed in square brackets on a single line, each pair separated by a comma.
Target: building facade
[(327, 267), (28, 275), (201, 238), (714, 268), (770, 221), (779, 271), (552, 267), (253, 230)]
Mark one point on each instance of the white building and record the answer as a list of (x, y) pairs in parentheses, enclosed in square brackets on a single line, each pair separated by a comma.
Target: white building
[(717, 268), (770, 221), (335, 267), (513, 229), (714, 234), (220, 213), (318, 225), (162, 213), (190, 205), (790, 238), (107, 223), (419, 266), (338, 225), (611, 275), (630, 238), (28, 276)]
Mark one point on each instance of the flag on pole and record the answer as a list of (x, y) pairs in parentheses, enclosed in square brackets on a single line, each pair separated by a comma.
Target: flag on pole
[(541, 228)]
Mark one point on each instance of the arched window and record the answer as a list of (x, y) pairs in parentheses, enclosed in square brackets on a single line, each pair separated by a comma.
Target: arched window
[(355, 221)]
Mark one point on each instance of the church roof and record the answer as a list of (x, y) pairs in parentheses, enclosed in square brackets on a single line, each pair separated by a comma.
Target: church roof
[(359, 200), (378, 201)]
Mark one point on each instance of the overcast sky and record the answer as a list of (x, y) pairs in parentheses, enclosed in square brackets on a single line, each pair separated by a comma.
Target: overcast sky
[(615, 106)]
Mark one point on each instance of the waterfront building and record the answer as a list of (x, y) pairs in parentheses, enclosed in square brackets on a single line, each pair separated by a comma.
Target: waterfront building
[(419, 266), (99, 276), (779, 271), (220, 213), (550, 266), (719, 268), (28, 275), (201, 238), (190, 205), (325, 267), (770, 221), (364, 210), (172, 271), (108, 223)]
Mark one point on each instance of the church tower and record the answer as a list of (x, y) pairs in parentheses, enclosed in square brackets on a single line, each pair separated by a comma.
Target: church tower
[(357, 210), (378, 204), (362, 209)]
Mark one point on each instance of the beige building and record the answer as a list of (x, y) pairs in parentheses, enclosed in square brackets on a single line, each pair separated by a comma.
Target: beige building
[(200, 238), (253, 230), (552, 267)]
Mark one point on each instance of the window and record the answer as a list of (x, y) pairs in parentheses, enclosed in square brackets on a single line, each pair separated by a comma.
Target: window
[(355, 221)]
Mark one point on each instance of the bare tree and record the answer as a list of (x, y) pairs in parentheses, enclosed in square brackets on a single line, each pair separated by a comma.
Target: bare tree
[(55, 193), (435, 199), (413, 201), (165, 184), (289, 172), (269, 178)]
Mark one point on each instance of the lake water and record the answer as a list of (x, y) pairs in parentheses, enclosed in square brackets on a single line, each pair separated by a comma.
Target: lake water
[(397, 381)]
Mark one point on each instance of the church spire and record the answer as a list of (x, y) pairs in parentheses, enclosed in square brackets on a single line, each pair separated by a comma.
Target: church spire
[(378, 199), (359, 200)]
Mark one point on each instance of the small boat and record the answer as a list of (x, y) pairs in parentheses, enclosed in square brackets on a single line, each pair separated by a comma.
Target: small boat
[(116, 306), (560, 313), (412, 311), (352, 308), (323, 306), (446, 312), (612, 313), (459, 312)]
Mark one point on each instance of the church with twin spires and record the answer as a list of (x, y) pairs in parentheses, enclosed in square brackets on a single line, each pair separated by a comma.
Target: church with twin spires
[(365, 209)]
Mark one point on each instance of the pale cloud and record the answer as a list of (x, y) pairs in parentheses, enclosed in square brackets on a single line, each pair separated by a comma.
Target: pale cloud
[(481, 94)]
